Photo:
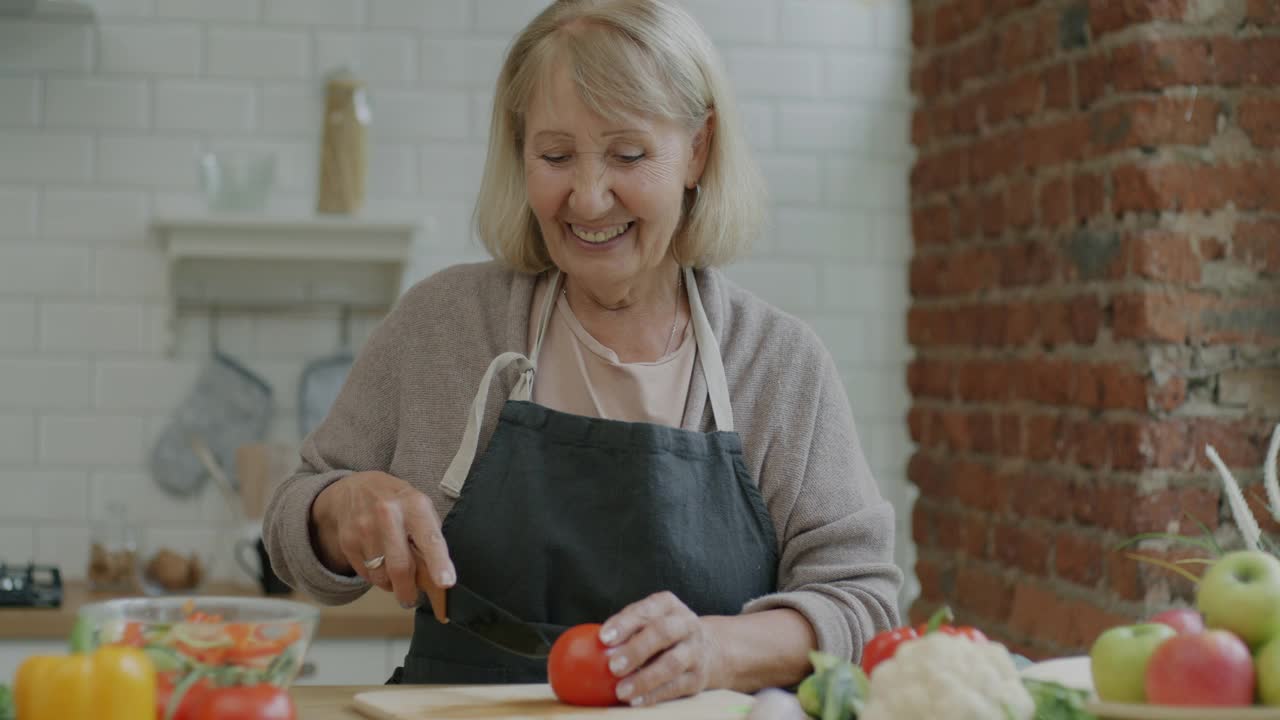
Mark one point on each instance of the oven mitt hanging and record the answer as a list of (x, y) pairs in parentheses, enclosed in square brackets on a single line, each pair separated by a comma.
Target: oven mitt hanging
[(228, 407), (318, 389)]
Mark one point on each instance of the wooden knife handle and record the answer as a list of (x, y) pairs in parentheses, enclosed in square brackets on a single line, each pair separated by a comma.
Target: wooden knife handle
[(436, 594)]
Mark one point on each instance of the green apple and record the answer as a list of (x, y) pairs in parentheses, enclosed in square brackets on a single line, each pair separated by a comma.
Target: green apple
[(1241, 593), (1118, 660), (1267, 665)]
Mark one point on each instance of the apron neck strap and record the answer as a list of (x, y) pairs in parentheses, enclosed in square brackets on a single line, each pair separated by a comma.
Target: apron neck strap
[(709, 354), (456, 474)]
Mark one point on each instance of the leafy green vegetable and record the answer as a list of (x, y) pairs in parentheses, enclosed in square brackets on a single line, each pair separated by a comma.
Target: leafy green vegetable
[(837, 689), (7, 711), (1058, 702)]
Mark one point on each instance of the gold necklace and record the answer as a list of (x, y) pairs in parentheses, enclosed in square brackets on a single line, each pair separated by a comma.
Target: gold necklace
[(675, 310)]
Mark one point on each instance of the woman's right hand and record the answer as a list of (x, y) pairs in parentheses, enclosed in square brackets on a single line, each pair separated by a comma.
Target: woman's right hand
[(368, 514)]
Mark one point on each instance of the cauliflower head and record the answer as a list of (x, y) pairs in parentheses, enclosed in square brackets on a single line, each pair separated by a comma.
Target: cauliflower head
[(943, 676)]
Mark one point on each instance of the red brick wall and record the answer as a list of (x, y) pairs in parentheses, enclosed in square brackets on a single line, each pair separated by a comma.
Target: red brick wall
[(1096, 295)]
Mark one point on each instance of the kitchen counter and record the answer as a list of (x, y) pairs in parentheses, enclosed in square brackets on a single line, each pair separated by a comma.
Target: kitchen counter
[(376, 615)]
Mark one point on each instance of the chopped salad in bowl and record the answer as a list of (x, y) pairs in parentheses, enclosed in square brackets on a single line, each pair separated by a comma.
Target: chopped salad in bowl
[(207, 650)]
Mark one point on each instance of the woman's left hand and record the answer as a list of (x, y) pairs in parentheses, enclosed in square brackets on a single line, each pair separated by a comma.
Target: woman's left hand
[(661, 651)]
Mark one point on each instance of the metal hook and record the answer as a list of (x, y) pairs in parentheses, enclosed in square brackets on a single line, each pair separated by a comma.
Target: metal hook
[(344, 327), (213, 329)]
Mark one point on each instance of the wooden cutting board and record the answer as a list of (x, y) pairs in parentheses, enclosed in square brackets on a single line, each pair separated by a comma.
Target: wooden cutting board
[(518, 702)]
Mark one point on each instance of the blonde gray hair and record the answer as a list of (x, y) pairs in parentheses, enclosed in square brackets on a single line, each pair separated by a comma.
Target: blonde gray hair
[(626, 57)]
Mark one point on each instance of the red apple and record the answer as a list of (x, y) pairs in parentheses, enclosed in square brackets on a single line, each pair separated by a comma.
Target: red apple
[(1208, 669), (1185, 620)]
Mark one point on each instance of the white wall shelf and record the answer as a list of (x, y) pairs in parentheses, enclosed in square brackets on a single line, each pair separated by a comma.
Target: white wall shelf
[(264, 238), (265, 264)]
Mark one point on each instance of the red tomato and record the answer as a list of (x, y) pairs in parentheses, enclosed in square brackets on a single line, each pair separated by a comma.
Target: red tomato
[(189, 708), (579, 669), (248, 702)]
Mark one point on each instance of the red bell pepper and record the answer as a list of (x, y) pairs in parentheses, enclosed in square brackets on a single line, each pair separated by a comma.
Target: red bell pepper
[(883, 646)]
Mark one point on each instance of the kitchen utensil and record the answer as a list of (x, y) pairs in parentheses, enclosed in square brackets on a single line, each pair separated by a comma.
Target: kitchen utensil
[(491, 623), (322, 379), (256, 639), (113, 551), (343, 156), (519, 702), (261, 569), (229, 406), (259, 467), (220, 479)]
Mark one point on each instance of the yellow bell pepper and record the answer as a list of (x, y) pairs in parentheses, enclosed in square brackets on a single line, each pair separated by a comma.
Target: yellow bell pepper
[(112, 683)]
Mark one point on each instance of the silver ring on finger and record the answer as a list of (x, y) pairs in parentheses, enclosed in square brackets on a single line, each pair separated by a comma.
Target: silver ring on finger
[(375, 563)]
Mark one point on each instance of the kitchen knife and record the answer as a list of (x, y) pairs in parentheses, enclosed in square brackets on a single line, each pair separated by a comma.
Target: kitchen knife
[(492, 624)]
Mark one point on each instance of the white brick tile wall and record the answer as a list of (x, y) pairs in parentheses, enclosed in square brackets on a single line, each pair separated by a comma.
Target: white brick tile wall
[(452, 171), (214, 106), (45, 157), (18, 319), (793, 179), (19, 543), (730, 22), (792, 285), (127, 385), (132, 273), (427, 15), (842, 23), (421, 115), (393, 171), (153, 161), (21, 106), (759, 120), (862, 286), (291, 109), (386, 59), (149, 49), (116, 217), (865, 182), (66, 545), (893, 25), (33, 383), (91, 440), (91, 103), (124, 8), (91, 327), (102, 126), (269, 54), (461, 63), (315, 12), (31, 45), (44, 495), (28, 269), (873, 77), (17, 437), (776, 73), (222, 10), (18, 208), (506, 17)]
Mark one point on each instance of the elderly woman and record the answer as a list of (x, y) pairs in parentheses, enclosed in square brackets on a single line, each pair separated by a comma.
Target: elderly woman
[(599, 427)]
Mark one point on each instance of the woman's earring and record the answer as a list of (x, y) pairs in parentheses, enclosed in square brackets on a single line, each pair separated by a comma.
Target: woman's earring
[(697, 194)]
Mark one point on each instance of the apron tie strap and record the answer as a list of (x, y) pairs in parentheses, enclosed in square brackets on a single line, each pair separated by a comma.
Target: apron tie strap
[(456, 475), (709, 355)]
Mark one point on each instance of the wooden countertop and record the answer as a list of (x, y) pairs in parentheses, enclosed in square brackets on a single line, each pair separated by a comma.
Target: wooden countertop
[(375, 615)]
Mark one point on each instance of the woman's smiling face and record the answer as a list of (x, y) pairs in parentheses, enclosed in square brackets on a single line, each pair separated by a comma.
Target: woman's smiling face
[(608, 196)]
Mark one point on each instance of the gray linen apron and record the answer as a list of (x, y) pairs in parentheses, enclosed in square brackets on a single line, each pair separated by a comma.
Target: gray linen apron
[(567, 519)]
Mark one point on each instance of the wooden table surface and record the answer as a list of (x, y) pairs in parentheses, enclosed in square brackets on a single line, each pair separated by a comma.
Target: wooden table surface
[(375, 615)]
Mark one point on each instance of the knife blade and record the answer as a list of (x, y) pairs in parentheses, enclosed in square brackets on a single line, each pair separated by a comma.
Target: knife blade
[(491, 623)]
